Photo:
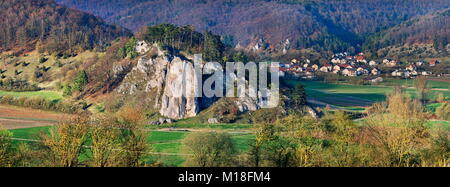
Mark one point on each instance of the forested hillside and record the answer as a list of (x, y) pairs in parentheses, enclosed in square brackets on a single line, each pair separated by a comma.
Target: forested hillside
[(432, 29), (334, 24), (43, 24)]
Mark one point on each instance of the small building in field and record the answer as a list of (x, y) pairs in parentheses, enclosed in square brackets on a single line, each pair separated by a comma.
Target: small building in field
[(374, 79), (420, 63)]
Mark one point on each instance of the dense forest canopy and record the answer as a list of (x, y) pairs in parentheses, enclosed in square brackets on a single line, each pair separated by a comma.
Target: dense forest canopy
[(431, 28), (322, 24), (186, 39), (27, 24)]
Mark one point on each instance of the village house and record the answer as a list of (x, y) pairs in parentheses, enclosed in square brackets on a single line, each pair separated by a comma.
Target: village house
[(425, 73), (411, 67), (345, 66), (374, 79), (361, 71), (338, 61), (401, 73), (420, 63), (373, 63), (336, 68), (375, 71), (335, 61), (361, 59), (433, 63), (390, 63), (309, 72), (350, 72), (326, 68), (315, 67)]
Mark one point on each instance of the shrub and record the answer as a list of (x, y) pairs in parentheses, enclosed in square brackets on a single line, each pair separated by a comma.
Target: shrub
[(5, 148), (209, 149), (18, 85), (443, 112)]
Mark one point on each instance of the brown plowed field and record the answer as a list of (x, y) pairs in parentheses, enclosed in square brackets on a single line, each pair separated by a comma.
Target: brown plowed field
[(12, 117)]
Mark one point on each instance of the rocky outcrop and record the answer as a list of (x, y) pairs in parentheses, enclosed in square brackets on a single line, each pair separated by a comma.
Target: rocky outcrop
[(178, 99), (168, 80)]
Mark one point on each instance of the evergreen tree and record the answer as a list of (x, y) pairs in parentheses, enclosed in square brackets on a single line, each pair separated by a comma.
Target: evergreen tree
[(80, 81), (298, 96)]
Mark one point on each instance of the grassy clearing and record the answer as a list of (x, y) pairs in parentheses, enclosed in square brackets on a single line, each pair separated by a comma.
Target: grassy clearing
[(29, 133), (356, 97), (445, 125), (48, 95), (160, 141), (434, 84)]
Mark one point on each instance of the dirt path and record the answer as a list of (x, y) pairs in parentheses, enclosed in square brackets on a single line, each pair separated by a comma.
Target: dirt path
[(203, 130), (21, 124)]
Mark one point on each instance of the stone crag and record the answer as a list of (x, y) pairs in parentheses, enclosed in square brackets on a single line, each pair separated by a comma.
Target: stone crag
[(163, 77)]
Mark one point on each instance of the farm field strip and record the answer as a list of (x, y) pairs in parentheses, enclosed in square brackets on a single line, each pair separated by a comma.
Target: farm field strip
[(166, 145), (346, 95), (12, 117)]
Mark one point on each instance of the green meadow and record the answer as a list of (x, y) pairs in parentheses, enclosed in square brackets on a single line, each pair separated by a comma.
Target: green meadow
[(48, 95), (166, 146), (356, 97)]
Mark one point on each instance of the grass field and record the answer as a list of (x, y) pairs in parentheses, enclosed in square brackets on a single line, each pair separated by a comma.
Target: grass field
[(168, 144), (433, 83), (445, 125), (356, 97), (49, 95)]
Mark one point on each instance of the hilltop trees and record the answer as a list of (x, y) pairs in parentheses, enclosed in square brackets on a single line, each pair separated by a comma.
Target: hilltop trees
[(30, 24), (129, 50), (185, 38)]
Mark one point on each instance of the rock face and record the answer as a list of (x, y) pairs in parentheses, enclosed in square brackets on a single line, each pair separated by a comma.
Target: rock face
[(178, 99), (168, 80)]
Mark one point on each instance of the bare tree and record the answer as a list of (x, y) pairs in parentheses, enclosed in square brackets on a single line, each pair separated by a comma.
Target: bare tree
[(421, 85), (65, 142), (105, 141)]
